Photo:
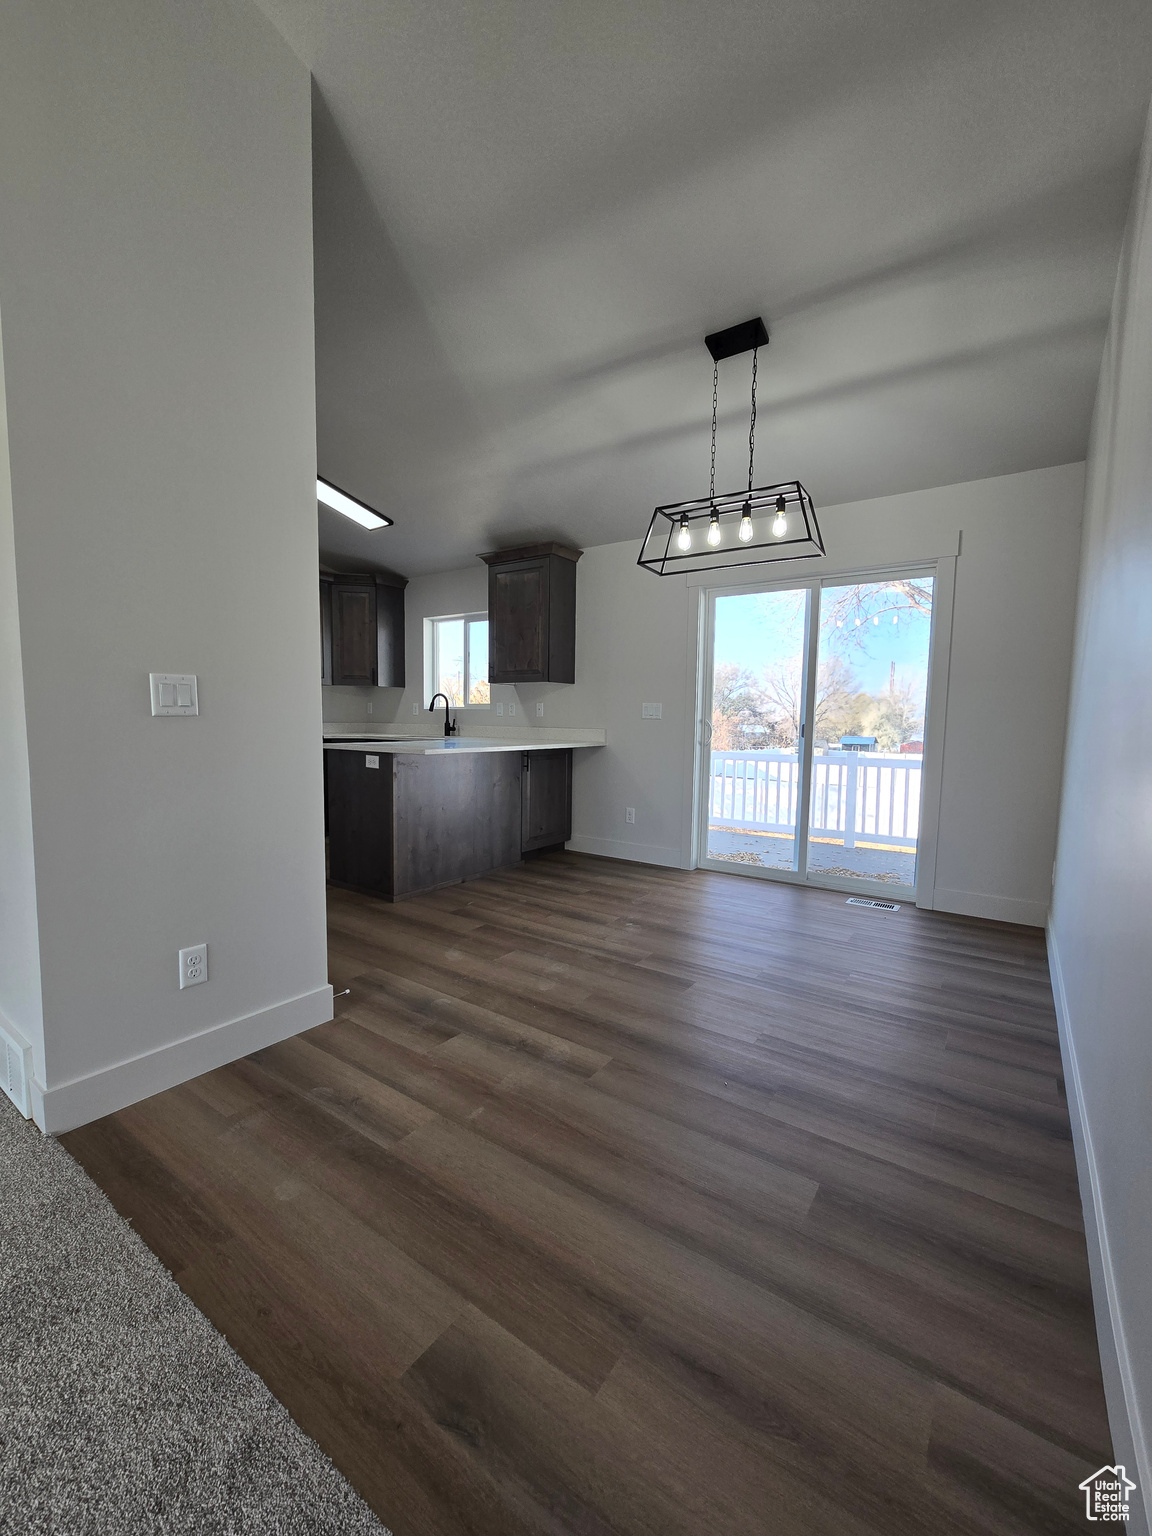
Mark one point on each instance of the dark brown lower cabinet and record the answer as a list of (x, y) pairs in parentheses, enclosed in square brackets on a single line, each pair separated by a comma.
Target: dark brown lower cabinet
[(546, 800), (415, 822)]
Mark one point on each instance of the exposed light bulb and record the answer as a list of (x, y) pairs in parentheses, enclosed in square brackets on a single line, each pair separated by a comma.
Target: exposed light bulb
[(714, 534), (779, 525), (684, 537), (876, 618), (895, 619), (746, 524)]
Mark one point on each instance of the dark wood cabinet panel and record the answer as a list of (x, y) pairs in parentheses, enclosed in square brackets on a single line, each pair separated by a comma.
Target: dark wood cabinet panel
[(389, 636), (325, 629), (359, 820), (456, 817), (518, 623), (353, 634), (546, 800), (418, 822), (532, 614), (362, 630)]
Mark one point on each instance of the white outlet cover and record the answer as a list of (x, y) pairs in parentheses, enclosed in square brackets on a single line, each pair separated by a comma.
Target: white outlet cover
[(500, 711), (511, 709), (540, 709), (630, 813), (371, 760), (173, 693), (652, 711), (193, 965), (415, 709)]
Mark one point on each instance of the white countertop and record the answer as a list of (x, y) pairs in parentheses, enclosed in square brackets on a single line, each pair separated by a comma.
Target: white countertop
[(528, 741)]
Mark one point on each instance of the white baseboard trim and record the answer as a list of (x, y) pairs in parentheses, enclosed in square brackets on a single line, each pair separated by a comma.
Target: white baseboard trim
[(1130, 1445), (616, 848), (66, 1105), (1002, 909)]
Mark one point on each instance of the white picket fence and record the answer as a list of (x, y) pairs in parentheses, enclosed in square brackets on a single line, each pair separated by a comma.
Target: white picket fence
[(870, 796)]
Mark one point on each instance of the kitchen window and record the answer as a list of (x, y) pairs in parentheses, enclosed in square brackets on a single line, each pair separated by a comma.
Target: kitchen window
[(457, 650)]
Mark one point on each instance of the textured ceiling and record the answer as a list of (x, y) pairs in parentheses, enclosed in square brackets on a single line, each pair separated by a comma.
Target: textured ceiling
[(528, 215)]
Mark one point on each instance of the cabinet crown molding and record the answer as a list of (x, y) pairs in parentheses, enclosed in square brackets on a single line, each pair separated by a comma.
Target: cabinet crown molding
[(530, 552)]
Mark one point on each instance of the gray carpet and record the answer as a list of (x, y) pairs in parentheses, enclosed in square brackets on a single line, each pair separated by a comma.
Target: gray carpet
[(121, 1408)]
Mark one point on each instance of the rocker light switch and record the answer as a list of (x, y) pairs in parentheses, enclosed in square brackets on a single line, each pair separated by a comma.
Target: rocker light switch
[(173, 693)]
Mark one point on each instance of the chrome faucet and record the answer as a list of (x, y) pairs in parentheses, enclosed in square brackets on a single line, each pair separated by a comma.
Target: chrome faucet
[(450, 726)]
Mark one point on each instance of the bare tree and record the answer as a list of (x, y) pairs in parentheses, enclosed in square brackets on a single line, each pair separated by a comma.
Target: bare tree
[(741, 716), (851, 608), (838, 703), (894, 718)]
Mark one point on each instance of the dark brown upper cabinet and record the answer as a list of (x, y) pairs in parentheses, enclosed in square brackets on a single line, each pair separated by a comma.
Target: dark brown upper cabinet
[(325, 628), (362, 629), (532, 614)]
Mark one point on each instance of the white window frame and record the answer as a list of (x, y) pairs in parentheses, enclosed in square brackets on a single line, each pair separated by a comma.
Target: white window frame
[(432, 653)]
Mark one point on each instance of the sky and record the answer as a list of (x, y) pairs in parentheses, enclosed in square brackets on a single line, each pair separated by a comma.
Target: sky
[(765, 629)]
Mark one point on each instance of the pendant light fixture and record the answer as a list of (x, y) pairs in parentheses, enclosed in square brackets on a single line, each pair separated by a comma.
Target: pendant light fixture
[(764, 523)]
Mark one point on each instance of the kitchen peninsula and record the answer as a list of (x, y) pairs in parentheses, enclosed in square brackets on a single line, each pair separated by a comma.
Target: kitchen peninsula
[(407, 815)]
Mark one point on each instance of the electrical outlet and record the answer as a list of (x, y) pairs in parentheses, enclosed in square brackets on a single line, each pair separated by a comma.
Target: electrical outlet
[(511, 709), (369, 709), (630, 813), (499, 709), (540, 708), (193, 965), (415, 709)]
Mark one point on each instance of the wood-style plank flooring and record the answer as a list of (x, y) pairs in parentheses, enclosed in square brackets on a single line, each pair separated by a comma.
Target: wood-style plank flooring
[(625, 1200)]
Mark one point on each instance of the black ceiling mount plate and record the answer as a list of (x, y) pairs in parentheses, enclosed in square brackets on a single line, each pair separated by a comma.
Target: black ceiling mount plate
[(737, 339)]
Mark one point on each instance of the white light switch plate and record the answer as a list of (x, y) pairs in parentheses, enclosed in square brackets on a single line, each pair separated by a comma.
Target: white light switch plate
[(539, 709), (173, 693), (652, 711), (499, 709)]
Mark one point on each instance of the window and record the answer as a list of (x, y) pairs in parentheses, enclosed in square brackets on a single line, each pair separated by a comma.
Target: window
[(458, 653)]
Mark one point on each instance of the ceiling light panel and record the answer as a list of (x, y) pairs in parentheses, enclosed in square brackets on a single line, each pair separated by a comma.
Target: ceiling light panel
[(340, 501)]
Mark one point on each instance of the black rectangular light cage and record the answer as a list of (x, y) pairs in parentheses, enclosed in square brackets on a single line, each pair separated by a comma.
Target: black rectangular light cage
[(801, 540)]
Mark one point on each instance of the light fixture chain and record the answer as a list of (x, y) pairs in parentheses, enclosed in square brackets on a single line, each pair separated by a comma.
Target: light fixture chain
[(752, 422), (712, 480)]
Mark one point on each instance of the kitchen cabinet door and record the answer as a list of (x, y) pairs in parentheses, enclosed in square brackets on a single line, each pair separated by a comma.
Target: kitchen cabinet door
[(545, 800), (325, 629), (354, 659), (532, 614)]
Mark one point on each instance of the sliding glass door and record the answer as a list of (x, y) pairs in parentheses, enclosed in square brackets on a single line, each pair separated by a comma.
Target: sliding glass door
[(759, 655), (813, 730)]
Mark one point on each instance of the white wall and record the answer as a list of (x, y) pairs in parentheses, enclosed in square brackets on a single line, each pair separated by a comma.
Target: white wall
[(156, 295), (1100, 938), (1011, 649), (21, 1010)]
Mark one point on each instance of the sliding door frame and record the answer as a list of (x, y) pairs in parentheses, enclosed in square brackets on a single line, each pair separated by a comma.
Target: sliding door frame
[(943, 571)]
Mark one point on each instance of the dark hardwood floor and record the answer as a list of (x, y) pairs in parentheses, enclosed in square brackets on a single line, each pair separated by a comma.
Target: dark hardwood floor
[(623, 1200)]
